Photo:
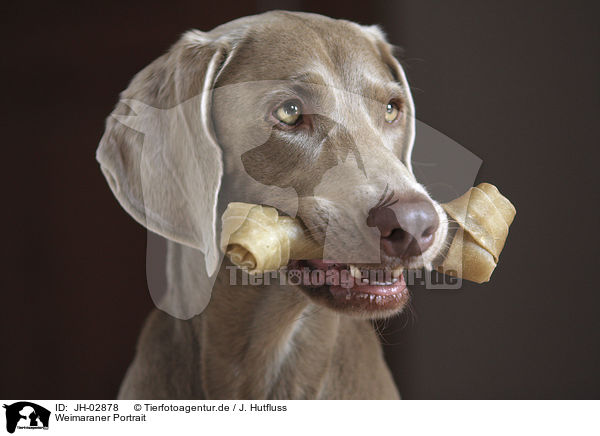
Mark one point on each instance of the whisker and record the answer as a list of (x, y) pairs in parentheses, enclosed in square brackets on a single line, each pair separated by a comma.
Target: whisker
[(381, 199), (392, 203)]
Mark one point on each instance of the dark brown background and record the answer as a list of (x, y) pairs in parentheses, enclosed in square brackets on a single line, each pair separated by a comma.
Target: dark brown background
[(514, 82)]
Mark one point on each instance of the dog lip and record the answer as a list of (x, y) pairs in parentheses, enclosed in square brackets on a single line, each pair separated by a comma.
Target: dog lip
[(355, 297), (363, 290)]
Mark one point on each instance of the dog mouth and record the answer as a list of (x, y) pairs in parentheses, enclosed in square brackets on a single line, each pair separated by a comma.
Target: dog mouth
[(371, 291)]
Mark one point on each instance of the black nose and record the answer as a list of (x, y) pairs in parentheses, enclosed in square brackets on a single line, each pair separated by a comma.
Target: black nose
[(407, 227)]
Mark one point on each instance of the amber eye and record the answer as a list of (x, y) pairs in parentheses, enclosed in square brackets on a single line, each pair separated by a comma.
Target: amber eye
[(392, 112), (289, 113)]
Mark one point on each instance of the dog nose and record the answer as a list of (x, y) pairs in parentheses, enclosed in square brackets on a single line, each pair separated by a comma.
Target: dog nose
[(407, 227)]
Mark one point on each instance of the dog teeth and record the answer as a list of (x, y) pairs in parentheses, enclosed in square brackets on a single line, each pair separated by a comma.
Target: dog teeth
[(355, 272), (358, 276), (394, 280), (396, 273)]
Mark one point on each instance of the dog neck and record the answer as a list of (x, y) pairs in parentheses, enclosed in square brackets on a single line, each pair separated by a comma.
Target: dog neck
[(264, 341)]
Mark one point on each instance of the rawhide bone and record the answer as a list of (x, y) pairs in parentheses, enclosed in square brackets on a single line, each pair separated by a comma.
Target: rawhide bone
[(483, 216), (258, 239)]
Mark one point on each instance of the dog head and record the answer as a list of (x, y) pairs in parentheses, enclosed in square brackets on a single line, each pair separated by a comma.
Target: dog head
[(308, 114)]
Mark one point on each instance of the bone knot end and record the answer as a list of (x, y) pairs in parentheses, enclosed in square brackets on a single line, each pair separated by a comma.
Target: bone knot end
[(481, 218), (258, 239)]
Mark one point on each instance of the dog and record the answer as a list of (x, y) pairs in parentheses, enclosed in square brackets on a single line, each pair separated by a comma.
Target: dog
[(308, 114)]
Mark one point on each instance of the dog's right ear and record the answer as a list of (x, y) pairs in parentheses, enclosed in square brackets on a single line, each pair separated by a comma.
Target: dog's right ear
[(159, 153)]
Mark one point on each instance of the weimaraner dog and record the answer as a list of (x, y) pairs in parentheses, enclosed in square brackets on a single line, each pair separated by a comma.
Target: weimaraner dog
[(302, 112)]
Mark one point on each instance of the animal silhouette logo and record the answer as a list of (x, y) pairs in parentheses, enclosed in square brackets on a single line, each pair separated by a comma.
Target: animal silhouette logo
[(27, 415)]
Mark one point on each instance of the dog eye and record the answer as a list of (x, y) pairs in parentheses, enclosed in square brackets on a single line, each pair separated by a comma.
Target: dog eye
[(392, 112), (289, 113)]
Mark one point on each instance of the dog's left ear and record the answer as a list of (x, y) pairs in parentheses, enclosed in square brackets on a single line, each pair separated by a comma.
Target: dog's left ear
[(159, 153), (386, 51)]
